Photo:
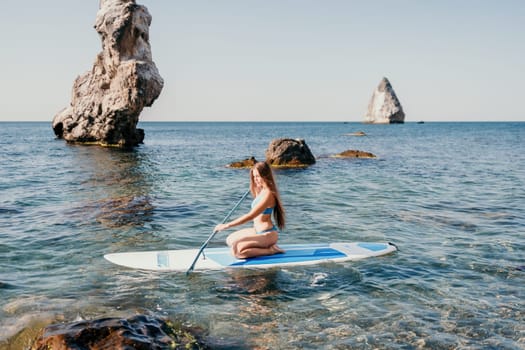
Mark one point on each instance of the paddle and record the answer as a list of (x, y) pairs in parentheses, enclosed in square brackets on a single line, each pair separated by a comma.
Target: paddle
[(214, 233)]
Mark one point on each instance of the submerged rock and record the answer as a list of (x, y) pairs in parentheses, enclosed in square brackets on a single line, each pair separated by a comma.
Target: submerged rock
[(124, 211), (138, 332), (107, 100), (243, 164), (289, 153), (357, 133), (384, 106), (354, 154)]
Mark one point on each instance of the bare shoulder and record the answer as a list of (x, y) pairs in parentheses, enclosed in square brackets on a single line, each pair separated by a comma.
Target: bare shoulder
[(267, 196)]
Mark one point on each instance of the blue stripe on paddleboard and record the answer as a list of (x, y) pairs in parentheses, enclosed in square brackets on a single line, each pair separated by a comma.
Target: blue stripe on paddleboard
[(375, 247), (290, 256)]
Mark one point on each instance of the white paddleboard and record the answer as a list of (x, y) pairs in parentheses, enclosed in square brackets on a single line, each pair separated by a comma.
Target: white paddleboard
[(221, 258)]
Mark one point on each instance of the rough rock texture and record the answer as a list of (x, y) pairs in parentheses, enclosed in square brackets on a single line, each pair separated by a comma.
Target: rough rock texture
[(243, 164), (289, 153), (138, 332), (354, 154), (107, 100), (384, 106)]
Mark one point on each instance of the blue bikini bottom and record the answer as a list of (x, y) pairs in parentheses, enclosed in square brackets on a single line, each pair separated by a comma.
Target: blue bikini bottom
[(266, 231)]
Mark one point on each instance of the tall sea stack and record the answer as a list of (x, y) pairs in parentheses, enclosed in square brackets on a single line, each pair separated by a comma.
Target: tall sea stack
[(107, 100), (384, 106)]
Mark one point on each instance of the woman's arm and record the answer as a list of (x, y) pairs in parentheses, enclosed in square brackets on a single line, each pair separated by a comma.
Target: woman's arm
[(265, 202)]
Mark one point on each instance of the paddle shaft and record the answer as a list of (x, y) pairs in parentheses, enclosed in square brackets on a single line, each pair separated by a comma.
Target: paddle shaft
[(214, 233)]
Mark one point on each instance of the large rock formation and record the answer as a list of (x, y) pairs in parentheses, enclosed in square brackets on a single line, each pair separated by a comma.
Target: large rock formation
[(107, 100), (384, 106), (289, 153)]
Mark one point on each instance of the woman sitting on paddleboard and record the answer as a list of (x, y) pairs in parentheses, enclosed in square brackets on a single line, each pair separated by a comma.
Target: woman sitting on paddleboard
[(262, 238)]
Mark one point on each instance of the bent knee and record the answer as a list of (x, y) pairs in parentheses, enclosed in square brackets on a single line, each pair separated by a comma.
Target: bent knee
[(241, 256), (242, 251)]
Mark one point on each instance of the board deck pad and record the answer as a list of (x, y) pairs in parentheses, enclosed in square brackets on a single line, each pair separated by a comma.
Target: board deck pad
[(221, 258)]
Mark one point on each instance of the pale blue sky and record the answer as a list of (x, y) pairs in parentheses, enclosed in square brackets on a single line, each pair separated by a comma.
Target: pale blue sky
[(293, 60)]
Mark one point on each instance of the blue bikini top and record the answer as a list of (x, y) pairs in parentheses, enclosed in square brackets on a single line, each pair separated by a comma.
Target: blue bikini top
[(267, 211)]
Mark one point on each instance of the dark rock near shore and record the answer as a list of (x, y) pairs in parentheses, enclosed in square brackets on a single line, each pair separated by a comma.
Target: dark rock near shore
[(384, 106), (289, 153), (107, 100), (243, 164), (354, 154), (138, 332)]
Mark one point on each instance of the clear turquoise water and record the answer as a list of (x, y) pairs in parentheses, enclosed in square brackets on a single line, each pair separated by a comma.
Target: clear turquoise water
[(450, 195)]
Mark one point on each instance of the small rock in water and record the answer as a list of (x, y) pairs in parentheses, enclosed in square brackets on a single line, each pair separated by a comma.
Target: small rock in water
[(318, 279), (243, 164), (354, 154), (289, 153), (357, 133)]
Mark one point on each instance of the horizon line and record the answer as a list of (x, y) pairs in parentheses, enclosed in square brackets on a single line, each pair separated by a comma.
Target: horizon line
[(292, 121)]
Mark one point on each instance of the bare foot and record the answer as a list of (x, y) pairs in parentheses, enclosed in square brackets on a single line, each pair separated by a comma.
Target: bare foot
[(275, 249)]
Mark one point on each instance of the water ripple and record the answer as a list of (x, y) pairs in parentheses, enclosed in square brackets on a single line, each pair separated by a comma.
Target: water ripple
[(440, 191)]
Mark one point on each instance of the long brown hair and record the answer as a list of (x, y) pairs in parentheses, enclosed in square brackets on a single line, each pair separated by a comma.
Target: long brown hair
[(267, 175)]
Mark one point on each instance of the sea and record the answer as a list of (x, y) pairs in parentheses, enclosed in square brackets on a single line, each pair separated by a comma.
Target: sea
[(449, 195)]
